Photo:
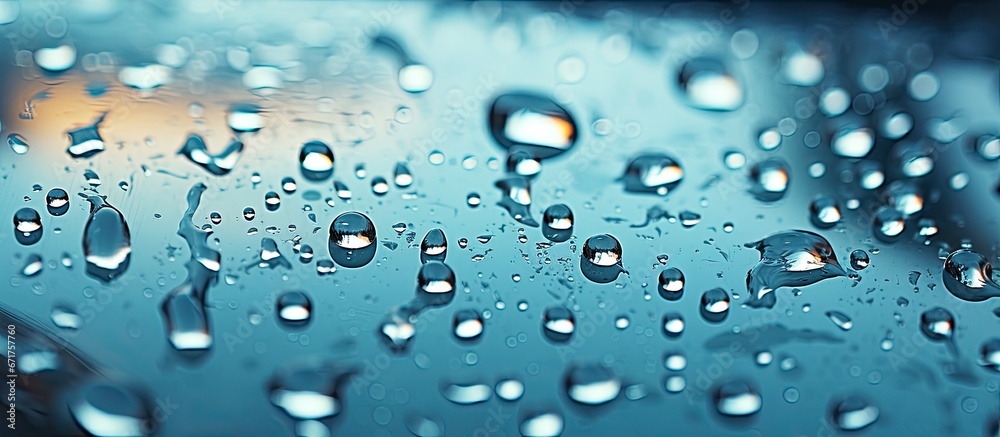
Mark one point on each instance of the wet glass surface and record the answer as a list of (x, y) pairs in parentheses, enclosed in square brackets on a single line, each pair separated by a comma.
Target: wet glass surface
[(304, 218)]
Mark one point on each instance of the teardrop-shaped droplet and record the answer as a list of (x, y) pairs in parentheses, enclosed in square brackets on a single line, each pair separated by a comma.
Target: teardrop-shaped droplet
[(516, 199), (434, 246), (107, 242), (592, 384), (27, 226), (736, 398), (853, 413), (709, 86), (671, 283), (558, 324), (789, 258), (652, 173), (968, 275), (316, 161), (533, 124), (17, 143)]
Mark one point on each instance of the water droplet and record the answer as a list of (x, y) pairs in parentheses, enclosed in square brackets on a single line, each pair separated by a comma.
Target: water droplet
[(897, 125), (888, 224), (294, 307), (245, 118), (852, 142), (415, 78), (924, 86), (104, 409), (969, 276), (272, 201), (824, 211), (397, 328), (66, 318), (542, 425), (558, 324), (86, 141), (915, 159), (473, 200), (673, 324), (834, 101), (316, 161), (853, 413), (516, 192), (32, 265), (249, 213), (533, 124), (859, 259), (770, 179), (288, 185), (55, 59), (709, 86), (468, 324), (715, 305), (436, 278), (27, 226), (688, 218), (380, 186), (509, 389), (467, 394), (734, 160), (557, 223), (57, 201), (989, 354), (434, 246), (769, 139), (937, 324), (196, 151), (352, 235), (343, 192), (987, 147), (307, 393), (592, 384), (736, 398), (653, 173), (17, 143), (840, 319), (145, 77), (671, 282), (802, 69), (215, 217), (602, 250), (402, 176), (789, 258)]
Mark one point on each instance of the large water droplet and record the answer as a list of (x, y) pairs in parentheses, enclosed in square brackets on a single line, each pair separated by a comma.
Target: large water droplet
[(316, 161), (789, 258), (32, 265), (107, 242), (709, 86), (56, 59), (57, 201), (533, 124), (592, 384), (436, 278), (969, 276), (653, 173)]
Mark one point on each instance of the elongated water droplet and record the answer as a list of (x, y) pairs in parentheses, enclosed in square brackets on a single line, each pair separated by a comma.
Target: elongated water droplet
[(195, 150), (107, 242), (840, 319), (436, 277), (17, 143), (789, 258), (32, 265)]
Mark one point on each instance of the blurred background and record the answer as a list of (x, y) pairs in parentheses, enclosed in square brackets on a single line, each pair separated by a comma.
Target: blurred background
[(229, 217)]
